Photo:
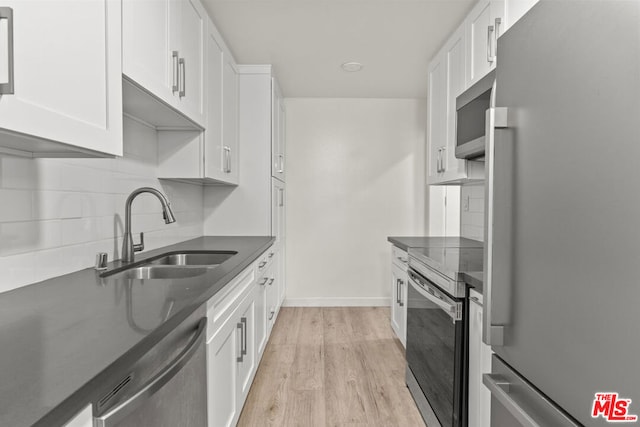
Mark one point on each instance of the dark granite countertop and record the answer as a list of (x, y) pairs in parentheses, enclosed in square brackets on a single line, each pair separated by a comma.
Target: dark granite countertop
[(62, 339), (407, 242)]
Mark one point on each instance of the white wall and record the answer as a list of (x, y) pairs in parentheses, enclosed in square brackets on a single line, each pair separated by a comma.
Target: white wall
[(355, 176), (56, 214), (472, 211)]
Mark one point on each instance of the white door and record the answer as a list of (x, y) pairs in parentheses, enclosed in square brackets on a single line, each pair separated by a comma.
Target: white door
[(213, 149), (192, 21), (436, 117), (147, 55), (261, 314), (455, 54), (230, 144), (479, 363), (277, 132), (277, 212), (479, 28), (223, 351), (396, 295), (247, 361), (67, 73)]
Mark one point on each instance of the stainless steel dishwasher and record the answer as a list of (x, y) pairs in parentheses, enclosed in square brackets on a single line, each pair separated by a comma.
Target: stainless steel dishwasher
[(167, 387)]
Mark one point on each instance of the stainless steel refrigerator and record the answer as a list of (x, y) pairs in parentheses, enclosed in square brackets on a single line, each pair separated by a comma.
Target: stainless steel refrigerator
[(562, 255)]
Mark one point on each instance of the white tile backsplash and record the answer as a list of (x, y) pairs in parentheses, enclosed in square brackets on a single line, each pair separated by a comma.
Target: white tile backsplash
[(472, 218), (55, 214)]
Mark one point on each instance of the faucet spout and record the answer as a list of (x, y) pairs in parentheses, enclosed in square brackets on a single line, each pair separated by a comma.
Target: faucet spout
[(128, 247)]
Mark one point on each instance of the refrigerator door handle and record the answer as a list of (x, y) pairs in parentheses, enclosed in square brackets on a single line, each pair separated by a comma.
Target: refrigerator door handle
[(500, 390), (525, 403), (496, 292)]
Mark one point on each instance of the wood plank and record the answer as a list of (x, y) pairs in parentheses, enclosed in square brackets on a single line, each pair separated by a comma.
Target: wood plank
[(332, 366)]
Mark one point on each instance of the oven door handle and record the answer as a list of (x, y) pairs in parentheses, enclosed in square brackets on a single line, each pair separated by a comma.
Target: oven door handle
[(452, 308)]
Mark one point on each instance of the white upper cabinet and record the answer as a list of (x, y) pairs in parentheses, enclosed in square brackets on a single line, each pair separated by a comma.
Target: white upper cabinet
[(63, 61), (446, 81), (163, 53), (278, 117), (230, 149), (221, 151), (211, 157), (484, 24), (437, 117)]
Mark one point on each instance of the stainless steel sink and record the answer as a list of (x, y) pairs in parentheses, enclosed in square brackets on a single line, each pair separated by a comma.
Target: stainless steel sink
[(160, 272), (208, 258), (173, 265)]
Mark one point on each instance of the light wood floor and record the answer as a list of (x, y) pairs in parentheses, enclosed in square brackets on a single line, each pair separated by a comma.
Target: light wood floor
[(331, 367)]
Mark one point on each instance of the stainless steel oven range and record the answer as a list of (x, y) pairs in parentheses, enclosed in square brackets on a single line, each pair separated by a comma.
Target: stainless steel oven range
[(437, 332)]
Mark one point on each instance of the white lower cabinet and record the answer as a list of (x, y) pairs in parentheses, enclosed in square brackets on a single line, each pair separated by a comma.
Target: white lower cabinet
[(399, 283), (479, 363), (239, 322)]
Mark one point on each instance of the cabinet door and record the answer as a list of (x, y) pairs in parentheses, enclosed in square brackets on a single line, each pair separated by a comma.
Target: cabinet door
[(147, 56), (261, 314), (479, 363), (278, 212), (480, 29), (190, 32), (247, 365), (436, 117), (398, 302), (484, 25), (223, 351), (67, 88), (454, 51), (277, 132), (230, 95), (281, 276), (213, 147)]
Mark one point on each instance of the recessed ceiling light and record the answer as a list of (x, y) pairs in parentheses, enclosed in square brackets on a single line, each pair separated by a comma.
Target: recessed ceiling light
[(352, 67)]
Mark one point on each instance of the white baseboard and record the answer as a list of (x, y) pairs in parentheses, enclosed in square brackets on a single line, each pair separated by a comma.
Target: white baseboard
[(337, 302)]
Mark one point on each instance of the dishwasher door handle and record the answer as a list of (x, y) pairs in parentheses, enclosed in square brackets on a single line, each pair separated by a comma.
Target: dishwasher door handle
[(116, 414)]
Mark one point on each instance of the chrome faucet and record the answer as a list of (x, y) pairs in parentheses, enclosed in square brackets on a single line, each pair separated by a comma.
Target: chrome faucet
[(128, 247)]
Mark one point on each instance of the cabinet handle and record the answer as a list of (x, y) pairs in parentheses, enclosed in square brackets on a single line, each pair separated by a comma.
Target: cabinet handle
[(443, 166), (183, 78), (264, 281), (241, 327), (400, 294), (8, 87), (271, 254), (262, 264), (271, 281), (281, 162), (281, 197), (438, 161), (490, 57), (227, 159), (176, 71), (397, 291), (272, 313), (243, 351)]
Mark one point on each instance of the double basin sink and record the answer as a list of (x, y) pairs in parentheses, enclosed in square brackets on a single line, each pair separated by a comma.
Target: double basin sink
[(172, 265)]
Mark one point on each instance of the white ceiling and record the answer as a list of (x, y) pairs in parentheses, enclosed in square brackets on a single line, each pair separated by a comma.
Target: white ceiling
[(308, 40)]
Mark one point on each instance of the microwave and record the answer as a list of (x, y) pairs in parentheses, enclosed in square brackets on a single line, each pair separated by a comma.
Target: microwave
[(471, 106)]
